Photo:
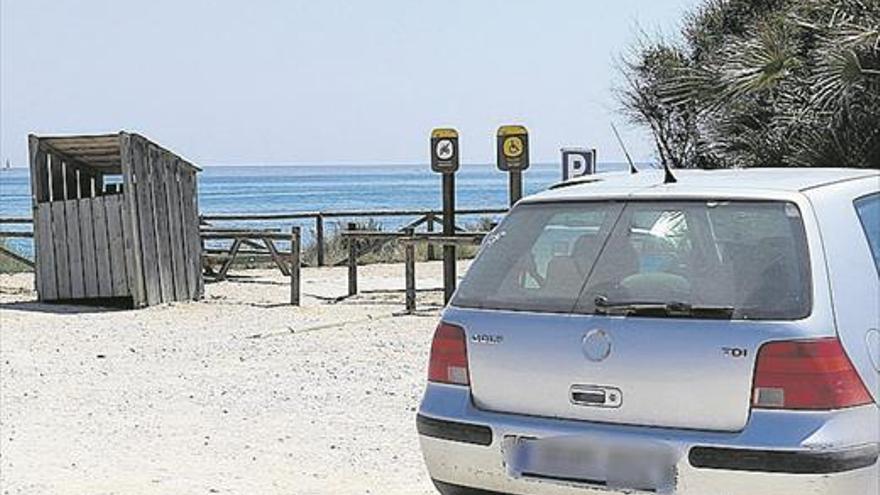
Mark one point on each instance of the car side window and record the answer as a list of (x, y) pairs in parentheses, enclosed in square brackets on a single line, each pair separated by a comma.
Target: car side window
[(868, 209)]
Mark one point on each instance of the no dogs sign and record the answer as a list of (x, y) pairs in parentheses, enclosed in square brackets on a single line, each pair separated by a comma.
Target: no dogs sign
[(444, 150)]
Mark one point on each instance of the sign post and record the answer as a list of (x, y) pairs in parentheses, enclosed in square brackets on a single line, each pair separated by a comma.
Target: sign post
[(513, 156), (444, 160), (577, 162)]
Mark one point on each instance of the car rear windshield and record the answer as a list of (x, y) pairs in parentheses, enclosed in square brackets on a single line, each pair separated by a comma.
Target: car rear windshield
[(747, 257)]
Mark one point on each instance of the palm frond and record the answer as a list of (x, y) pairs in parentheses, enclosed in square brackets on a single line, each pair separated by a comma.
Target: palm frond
[(768, 83)]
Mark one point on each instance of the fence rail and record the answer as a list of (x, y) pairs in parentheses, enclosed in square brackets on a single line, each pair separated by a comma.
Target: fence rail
[(427, 217), (300, 215), (210, 231), (17, 235), (27, 220)]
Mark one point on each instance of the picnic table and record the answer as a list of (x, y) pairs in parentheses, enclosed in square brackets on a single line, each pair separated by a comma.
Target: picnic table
[(259, 242)]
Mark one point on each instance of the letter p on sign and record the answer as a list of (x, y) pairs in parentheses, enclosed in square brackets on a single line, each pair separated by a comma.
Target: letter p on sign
[(577, 162)]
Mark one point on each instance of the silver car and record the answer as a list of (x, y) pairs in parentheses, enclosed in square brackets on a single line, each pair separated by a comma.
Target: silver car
[(716, 335)]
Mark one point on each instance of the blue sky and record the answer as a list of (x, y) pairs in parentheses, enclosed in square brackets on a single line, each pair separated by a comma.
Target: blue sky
[(327, 81)]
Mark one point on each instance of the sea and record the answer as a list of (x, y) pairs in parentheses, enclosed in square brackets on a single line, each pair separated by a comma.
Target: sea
[(293, 188)]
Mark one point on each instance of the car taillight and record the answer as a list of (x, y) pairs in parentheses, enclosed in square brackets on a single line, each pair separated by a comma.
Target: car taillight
[(449, 356), (807, 375)]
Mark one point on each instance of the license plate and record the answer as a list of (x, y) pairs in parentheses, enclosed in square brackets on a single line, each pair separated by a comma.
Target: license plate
[(618, 464)]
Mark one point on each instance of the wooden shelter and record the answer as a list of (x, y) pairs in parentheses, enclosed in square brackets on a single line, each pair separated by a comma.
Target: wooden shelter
[(115, 216)]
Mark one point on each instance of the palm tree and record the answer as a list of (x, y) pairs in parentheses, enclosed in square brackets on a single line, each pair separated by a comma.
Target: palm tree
[(765, 83)]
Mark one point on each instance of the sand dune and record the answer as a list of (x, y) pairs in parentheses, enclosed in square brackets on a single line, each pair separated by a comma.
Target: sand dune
[(239, 393)]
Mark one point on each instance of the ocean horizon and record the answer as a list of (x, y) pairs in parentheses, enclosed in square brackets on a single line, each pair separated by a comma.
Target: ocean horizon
[(301, 187)]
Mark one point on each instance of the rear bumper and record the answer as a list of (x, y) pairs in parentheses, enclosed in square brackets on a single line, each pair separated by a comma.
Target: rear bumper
[(778, 453), (788, 462)]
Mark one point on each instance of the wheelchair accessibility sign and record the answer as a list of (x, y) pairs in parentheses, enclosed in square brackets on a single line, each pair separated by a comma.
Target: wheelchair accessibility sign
[(513, 148)]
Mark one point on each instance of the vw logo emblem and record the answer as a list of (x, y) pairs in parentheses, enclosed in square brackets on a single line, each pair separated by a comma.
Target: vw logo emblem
[(596, 345)]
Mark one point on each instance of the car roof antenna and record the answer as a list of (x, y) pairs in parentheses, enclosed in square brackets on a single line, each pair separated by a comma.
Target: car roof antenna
[(668, 178), (632, 167)]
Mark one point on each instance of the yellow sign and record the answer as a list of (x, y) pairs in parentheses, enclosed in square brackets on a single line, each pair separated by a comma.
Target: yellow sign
[(444, 133), (513, 147), (512, 130)]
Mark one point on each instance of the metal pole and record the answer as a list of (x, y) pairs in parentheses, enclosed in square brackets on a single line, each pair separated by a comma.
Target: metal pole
[(409, 250), (295, 252), (516, 186), (319, 238), (352, 262), (448, 230), (430, 227)]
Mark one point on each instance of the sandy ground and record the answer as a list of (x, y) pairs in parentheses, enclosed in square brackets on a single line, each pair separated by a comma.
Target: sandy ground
[(239, 393)]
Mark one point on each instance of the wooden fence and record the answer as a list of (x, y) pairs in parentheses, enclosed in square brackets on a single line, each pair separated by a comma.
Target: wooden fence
[(289, 262), (409, 238), (428, 218), (212, 232)]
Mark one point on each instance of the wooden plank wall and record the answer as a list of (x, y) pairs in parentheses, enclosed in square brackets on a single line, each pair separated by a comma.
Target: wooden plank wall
[(85, 259), (161, 207), (192, 243), (39, 190), (102, 251), (63, 237), (138, 240), (87, 238)]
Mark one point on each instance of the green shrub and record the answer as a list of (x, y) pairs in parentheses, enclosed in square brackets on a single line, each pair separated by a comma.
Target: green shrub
[(8, 264)]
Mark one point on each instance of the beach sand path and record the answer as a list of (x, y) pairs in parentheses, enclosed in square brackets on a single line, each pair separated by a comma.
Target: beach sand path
[(239, 393)]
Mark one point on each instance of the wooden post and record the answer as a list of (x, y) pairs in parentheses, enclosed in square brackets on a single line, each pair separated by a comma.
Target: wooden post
[(319, 238), (409, 250), (39, 176), (516, 186), (352, 262), (449, 230), (430, 227), (295, 252)]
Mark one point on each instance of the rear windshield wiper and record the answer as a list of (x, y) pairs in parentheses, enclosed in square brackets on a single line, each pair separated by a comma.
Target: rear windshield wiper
[(675, 309)]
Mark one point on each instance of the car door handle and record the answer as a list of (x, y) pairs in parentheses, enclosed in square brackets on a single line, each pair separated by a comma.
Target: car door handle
[(588, 398), (596, 396)]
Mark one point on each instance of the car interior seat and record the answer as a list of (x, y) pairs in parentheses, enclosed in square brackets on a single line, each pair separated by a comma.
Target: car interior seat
[(771, 277)]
